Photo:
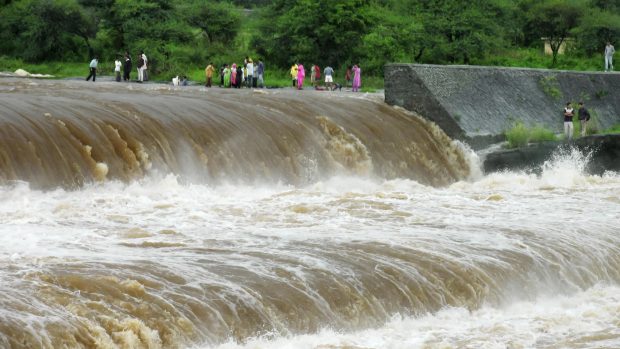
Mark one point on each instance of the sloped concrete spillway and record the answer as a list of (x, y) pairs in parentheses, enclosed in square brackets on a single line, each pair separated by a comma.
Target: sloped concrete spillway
[(478, 104)]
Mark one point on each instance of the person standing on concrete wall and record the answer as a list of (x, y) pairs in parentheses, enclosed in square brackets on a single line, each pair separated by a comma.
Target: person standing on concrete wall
[(301, 74), (140, 68), (568, 121), (93, 69), (357, 78), (209, 74), (609, 55), (584, 117), (250, 76), (117, 69), (329, 80), (260, 70), (145, 73), (127, 67), (294, 71)]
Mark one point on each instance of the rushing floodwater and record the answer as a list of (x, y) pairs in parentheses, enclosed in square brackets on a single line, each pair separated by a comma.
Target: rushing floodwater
[(346, 261)]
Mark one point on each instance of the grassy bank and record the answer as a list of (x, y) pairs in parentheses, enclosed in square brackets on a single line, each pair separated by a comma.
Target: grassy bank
[(535, 58)]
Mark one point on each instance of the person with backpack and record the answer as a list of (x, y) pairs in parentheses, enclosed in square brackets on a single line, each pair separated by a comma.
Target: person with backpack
[(584, 117)]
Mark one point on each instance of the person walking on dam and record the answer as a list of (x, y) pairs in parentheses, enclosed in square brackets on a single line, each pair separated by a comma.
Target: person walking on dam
[(584, 117), (93, 69), (609, 56), (209, 74), (568, 121)]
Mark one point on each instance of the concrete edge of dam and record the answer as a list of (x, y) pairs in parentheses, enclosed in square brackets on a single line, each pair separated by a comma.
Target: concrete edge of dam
[(478, 104)]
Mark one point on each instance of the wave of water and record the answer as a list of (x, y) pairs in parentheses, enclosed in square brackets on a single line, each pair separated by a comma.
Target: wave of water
[(349, 262)]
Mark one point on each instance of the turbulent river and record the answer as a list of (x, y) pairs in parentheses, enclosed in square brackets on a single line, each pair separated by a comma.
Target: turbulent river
[(147, 217)]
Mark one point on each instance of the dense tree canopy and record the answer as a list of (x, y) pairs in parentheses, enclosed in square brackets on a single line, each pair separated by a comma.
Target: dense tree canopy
[(334, 32)]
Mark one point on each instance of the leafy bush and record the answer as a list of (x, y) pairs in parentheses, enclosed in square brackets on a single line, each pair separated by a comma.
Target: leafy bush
[(520, 135)]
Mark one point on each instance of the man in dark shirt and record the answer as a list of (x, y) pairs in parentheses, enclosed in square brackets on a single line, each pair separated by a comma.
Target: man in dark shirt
[(584, 116), (127, 67)]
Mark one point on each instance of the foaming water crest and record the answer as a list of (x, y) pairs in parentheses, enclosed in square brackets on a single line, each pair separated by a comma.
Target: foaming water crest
[(54, 134)]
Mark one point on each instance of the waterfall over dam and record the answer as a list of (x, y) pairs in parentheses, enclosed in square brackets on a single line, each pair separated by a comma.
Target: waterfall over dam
[(147, 217), (58, 134)]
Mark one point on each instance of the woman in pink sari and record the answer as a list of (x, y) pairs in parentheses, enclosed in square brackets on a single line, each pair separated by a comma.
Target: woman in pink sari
[(233, 74), (357, 78), (301, 74)]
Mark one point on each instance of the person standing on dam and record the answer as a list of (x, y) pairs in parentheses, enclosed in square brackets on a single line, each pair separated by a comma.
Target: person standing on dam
[(357, 78), (127, 67), (209, 74), (294, 69), (117, 68), (93, 69), (584, 116), (609, 56), (568, 121), (301, 74)]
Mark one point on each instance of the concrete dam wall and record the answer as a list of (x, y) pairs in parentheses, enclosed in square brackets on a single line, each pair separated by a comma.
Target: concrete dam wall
[(478, 104)]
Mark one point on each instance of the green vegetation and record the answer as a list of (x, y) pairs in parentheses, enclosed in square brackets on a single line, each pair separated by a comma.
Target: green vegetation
[(520, 135), (180, 37), (550, 87), (613, 129)]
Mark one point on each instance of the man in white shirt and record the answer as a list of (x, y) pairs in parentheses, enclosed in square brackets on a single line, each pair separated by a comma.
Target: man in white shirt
[(117, 69), (93, 69), (250, 69), (609, 55), (329, 79), (145, 74)]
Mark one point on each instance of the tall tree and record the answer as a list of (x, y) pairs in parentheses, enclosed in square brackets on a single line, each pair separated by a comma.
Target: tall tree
[(555, 20), (322, 31), (219, 21), (46, 29)]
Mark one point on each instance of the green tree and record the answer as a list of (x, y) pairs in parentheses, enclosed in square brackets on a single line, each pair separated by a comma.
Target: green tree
[(218, 21), (459, 32), (46, 29), (150, 25), (394, 37), (596, 29), (321, 31), (555, 20)]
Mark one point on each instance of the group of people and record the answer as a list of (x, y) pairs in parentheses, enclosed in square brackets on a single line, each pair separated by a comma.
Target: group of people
[(248, 74), (353, 77), (569, 113), (126, 66)]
